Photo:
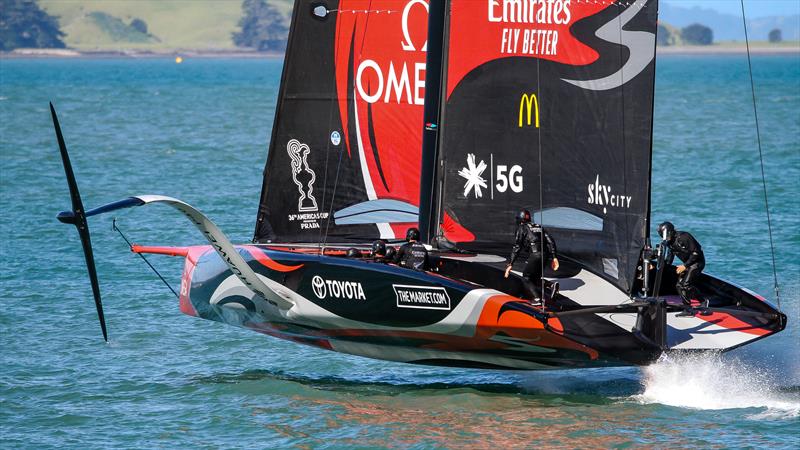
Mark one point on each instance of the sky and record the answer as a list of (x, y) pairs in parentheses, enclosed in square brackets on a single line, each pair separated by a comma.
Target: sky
[(753, 8)]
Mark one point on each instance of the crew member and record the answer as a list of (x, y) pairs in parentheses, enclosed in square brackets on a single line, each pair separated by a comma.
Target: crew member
[(379, 252), (412, 254), (684, 246), (530, 237)]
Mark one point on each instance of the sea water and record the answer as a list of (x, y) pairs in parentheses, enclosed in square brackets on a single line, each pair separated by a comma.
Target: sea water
[(199, 131)]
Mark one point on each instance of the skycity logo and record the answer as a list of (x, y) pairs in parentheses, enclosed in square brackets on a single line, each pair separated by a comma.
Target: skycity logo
[(507, 178), (350, 290), (600, 194)]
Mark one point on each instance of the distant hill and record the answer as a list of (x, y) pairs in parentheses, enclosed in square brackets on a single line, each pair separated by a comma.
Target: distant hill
[(171, 24), (210, 24), (728, 27)]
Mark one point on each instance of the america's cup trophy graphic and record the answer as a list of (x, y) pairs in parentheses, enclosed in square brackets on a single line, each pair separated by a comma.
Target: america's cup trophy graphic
[(302, 175)]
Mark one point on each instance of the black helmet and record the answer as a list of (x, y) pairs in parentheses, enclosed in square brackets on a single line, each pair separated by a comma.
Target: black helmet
[(390, 253), (353, 252), (412, 234), (524, 216), (667, 231), (379, 248)]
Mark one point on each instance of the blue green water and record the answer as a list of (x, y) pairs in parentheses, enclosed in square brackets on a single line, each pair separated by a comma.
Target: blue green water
[(198, 131)]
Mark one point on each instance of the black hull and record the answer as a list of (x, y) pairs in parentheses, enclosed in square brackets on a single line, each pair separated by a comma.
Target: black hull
[(383, 311)]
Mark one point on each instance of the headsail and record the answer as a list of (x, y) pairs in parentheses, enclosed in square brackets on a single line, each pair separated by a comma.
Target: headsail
[(549, 107), (343, 161)]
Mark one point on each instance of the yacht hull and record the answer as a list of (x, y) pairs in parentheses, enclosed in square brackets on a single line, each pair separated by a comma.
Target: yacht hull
[(376, 310)]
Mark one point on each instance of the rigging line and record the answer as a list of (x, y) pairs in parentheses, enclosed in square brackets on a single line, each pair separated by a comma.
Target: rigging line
[(648, 198), (761, 159), (362, 151), (334, 104), (116, 228), (624, 142), (541, 195), (323, 242), (333, 196), (366, 28)]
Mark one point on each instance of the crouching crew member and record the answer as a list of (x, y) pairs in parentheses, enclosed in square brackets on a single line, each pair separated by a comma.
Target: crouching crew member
[(380, 253), (532, 238), (412, 254), (687, 249)]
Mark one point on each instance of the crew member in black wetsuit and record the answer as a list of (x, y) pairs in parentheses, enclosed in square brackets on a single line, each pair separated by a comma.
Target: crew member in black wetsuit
[(412, 254), (530, 237), (684, 246)]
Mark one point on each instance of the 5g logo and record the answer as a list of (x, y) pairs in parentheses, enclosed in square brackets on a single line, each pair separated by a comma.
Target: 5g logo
[(509, 178)]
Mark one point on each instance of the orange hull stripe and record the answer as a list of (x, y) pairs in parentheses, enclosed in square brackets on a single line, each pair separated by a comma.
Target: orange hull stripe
[(268, 262)]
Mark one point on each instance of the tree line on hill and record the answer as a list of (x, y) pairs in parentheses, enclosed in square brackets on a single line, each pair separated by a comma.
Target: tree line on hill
[(694, 34), (23, 24), (697, 34), (263, 27)]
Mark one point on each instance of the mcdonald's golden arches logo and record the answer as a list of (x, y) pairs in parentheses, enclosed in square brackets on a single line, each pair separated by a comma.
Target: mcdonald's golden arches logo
[(528, 103)]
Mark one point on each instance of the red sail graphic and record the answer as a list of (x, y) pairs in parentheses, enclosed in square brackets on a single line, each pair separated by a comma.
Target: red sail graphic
[(380, 67), (499, 29)]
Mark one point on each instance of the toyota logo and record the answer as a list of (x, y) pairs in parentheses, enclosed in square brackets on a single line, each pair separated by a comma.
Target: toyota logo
[(318, 286)]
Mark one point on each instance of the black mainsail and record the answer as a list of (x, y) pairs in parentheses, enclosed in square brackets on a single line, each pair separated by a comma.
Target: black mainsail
[(549, 107)]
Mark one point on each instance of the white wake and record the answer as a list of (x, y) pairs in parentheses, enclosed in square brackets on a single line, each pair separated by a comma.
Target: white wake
[(711, 381)]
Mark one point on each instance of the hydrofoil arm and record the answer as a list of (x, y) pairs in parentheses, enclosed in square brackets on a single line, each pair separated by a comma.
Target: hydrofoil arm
[(218, 240)]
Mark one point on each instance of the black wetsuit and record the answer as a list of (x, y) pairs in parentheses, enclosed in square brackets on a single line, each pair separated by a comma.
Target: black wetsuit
[(529, 237), (686, 247), (412, 255)]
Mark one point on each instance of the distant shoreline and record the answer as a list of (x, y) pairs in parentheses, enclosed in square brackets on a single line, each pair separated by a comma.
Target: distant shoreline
[(136, 54), (249, 54), (726, 49)]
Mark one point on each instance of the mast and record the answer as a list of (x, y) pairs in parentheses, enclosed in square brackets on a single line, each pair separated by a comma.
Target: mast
[(430, 132)]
